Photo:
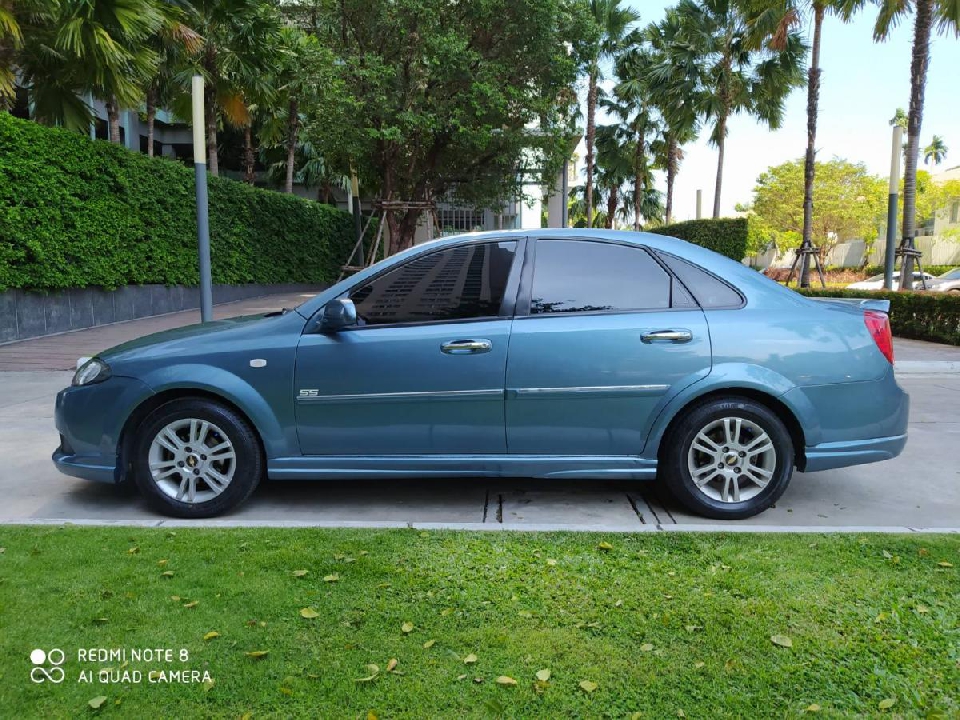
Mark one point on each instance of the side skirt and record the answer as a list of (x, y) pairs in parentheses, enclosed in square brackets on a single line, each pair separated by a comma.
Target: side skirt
[(330, 467)]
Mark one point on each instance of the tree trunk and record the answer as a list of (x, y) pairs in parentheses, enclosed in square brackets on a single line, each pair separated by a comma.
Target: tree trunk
[(721, 140), (671, 174), (809, 163), (612, 201), (293, 126), (113, 120), (210, 112), (591, 133), (918, 81), (638, 180), (248, 156), (151, 118)]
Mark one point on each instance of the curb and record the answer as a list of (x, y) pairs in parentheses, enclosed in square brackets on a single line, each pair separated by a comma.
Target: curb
[(490, 527), (926, 367)]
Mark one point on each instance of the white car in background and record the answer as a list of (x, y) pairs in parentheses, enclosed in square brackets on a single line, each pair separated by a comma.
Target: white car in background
[(876, 282), (948, 282)]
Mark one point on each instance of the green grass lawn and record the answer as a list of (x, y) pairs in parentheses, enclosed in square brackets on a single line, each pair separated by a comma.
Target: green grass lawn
[(666, 625)]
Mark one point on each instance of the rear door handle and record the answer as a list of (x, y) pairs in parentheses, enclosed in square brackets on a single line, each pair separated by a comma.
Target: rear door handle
[(667, 336), (466, 347)]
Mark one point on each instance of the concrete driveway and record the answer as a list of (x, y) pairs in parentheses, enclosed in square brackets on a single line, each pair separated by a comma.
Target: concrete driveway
[(918, 490)]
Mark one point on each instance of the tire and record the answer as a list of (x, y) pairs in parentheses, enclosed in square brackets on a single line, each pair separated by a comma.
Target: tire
[(743, 482), (173, 439)]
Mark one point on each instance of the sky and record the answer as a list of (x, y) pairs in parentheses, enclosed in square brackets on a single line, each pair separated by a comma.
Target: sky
[(862, 83)]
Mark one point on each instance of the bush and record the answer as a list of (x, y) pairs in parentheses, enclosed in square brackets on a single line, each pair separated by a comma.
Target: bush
[(727, 236), (919, 315), (872, 270), (76, 213)]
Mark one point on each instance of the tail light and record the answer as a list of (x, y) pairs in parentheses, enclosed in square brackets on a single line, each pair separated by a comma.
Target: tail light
[(879, 326)]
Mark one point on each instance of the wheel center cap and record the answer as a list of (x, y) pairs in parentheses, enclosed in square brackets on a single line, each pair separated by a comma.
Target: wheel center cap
[(730, 459), (192, 460)]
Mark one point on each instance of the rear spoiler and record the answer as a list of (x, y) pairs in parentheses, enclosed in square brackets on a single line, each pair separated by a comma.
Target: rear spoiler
[(861, 303)]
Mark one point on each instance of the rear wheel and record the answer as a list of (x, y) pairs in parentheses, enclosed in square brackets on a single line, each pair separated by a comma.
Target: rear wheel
[(728, 458), (196, 458)]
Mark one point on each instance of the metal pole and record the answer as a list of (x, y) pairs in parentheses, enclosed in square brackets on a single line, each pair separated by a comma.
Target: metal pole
[(355, 203), (890, 256), (203, 220), (699, 204)]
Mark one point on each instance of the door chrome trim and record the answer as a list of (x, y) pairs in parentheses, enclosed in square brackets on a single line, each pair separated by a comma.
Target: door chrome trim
[(402, 396), (588, 390)]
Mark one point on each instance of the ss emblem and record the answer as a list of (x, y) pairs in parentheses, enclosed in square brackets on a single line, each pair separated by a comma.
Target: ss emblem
[(309, 393)]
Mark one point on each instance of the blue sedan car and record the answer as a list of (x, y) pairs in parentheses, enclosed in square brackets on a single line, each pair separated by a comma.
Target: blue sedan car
[(544, 353)]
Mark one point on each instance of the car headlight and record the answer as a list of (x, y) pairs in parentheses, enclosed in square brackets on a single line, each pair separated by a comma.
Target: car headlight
[(93, 370)]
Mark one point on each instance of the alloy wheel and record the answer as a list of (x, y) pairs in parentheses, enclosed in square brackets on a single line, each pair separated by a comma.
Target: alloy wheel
[(192, 460), (731, 459)]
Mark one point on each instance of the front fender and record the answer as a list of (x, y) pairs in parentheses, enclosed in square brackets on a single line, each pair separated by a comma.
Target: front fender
[(279, 439), (734, 376)]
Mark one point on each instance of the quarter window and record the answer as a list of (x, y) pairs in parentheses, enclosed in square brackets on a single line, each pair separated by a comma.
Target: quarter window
[(710, 292), (467, 281), (580, 276)]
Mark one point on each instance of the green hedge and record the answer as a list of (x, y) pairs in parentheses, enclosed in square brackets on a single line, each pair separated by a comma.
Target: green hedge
[(77, 213), (872, 270), (727, 236), (919, 315)]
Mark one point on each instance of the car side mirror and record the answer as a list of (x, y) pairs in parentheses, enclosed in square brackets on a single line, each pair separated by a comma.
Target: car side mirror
[(338, 314)]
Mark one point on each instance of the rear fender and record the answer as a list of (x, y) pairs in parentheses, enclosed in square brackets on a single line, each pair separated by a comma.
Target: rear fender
[(729, 378)]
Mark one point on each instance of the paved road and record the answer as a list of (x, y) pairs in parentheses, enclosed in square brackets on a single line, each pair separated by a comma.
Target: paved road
[(920, 489)]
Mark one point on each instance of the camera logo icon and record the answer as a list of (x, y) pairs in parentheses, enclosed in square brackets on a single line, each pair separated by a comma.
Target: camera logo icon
[(46, 665)]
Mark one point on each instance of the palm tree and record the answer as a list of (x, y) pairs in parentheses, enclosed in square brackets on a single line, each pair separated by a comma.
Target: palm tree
[(18, 18), (671, 84), (236, 47), (612, 25), (736, 77), (613, 169), (97, 47), (936, 151), (174, 42), (770, 24), (945, 15), (899, 118)]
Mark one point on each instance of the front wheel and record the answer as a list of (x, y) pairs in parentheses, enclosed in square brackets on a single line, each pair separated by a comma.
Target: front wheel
[(196, 458), (728, 458)]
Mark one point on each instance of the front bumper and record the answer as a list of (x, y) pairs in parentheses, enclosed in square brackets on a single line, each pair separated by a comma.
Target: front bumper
[(90, 420)]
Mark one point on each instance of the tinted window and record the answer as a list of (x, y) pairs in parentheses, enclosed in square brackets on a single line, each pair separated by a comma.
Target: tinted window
[(710, 292), (454, 284), (579, 276)]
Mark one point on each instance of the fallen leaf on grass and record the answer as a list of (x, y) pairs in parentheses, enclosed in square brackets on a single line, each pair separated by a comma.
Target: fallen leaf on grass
[(699, 664), (211, 635), (887, 703), (309, 613), (99, 621), (693, 628), (781, 640), (134, 550), (257, 654), (207, 685), (97, 702), (192, 604), (331, 578), (551, 561), (922, 609), (588, 686), (407, 628), (300, 573), (470, 659), (881, 617), (543, 675), (429, 644), (462, 677), (813, 708), (392, 665), (646, 647), (161, 563), (167, 573), (505, 680), (374, 671), (944, 563), (604, 546)]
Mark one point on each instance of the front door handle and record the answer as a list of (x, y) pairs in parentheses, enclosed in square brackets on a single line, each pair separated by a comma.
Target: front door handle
[(667, 336), (466, 347)]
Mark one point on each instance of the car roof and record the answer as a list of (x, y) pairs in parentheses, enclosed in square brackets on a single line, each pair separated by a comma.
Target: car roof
[(751, 283)]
